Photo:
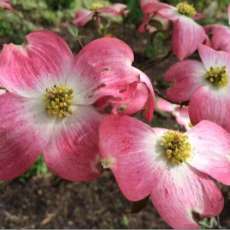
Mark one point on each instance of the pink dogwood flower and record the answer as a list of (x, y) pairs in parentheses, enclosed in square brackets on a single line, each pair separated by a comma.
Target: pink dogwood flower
[(179, 113), (205, 84), (49, 106), (6, 4), (171, 167), (83, 16), (187, 34)]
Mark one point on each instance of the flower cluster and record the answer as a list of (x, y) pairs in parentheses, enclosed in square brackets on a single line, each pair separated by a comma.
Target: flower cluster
[(76, 109)]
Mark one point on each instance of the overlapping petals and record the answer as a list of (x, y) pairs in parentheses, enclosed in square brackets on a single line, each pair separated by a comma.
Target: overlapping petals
[(189, 84), (103, 69), (178, 112), (177, 192)]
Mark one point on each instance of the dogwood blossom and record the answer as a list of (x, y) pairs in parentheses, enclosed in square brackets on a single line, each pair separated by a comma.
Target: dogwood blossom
[(171, 167), (49, 106), (187, 34)]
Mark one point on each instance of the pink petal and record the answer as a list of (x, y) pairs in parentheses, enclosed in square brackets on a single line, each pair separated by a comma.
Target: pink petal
[(82, 17), (23, 67), (187, 36), (112, 76), (153, 6), (105, 50), (185, 77), (129, 151), (73, 152), (208, 105), (212, 58), (165, 106), (6, 4), (211, 145), (180, 113), (116, 9), (182, 117), (20, 142), (180, 191), (220, 37)]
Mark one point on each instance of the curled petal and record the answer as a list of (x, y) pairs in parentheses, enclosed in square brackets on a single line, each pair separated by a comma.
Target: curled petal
[(220, 36), (73, 150), (209, 156), (186, 77), (112, 76), (180, 192), (187, 36), (165, 106), (82, 17), (20, 142), (182, 117)]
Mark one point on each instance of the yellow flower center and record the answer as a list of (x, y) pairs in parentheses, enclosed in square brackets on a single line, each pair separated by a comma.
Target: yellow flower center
[(175, 147), (98, 5), (58, 101), (186, 9), (217, 77)]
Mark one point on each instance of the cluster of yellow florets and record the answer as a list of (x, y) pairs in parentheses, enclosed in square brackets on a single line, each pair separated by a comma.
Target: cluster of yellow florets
[(175, 147), (217, 76), (58, 101), (186, 9)]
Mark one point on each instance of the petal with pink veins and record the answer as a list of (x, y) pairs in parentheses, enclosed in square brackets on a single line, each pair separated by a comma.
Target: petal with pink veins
[(209, 156), (73, 151), (180, 191), (213, 58), (128, 145), (185, 77), (22, 68), (208, 105), (20, 142), (187, 36), (82, 17)]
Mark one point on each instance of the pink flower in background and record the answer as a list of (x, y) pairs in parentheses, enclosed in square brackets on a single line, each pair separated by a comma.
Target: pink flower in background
[(179, 113), (6, 4), (50, 108), (149, 15), (187, 34), (220, 37), (172, 167), (205, 84), (83, 16)]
